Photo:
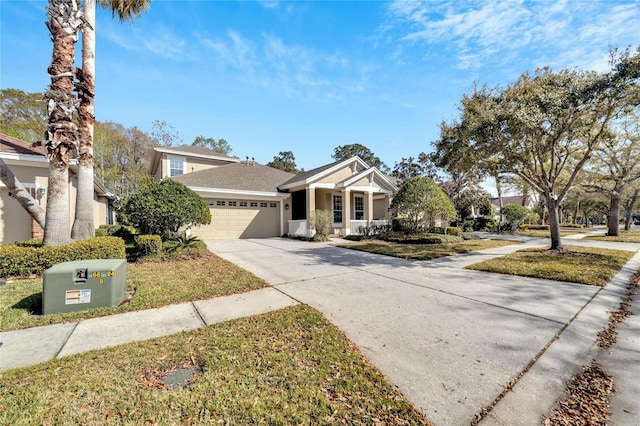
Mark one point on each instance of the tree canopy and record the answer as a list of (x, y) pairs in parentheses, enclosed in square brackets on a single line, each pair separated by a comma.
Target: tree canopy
[(411, 167), (345, 152), (24, 115), (122, 157), (161, 208), (285, 160), (220, 145), (543, 127), (616, 166), (421, 202)]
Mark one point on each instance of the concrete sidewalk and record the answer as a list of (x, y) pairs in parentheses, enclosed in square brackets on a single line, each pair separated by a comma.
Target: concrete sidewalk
[(22, 348), (450, 339)]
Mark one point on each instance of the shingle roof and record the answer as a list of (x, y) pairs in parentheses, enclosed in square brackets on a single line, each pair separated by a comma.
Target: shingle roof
[(237, 176), (304, 175), (12, 145)]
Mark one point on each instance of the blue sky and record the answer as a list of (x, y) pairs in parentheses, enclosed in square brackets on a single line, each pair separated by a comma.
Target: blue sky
[(275, 76)]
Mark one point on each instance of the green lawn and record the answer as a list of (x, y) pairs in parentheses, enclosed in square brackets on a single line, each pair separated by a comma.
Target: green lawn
[(593, 266), (537, 233), (155, 284), (286, 367), (425, 251), (631, 236)]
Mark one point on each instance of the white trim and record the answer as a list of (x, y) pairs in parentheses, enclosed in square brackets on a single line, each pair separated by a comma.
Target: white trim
[(239, 194), (374, 171), (368, 189), (25, 159), (323, 185), (194, 154), (326, 172)]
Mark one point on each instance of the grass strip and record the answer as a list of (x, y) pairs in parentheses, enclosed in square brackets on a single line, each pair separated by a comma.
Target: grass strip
[(623, 237), (541, 233), (425, 251), (592, 266), (285, 367), (154, 284)]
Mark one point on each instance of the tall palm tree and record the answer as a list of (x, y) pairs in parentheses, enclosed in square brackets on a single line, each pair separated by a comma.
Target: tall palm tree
[(61, 134), (83, 225)]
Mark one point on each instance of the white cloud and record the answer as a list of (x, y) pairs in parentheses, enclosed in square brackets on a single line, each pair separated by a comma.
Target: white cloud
[(297, 71), (477, 33), (159, 42)]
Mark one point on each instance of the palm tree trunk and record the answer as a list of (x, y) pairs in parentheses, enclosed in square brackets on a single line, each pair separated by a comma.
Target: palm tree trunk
[(61, 135), (83, 225), (21, 195)]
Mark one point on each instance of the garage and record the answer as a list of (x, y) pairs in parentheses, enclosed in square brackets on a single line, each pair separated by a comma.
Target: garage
[(240, 219)]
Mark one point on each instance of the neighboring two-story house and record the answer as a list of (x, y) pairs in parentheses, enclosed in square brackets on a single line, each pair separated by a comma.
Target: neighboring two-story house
[(249, 200), (31, 167)]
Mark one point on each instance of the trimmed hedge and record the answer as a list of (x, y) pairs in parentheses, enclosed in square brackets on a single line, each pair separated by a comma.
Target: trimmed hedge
[(123, 231), (147, 245), (425, 238), (571, 225), (32, 259), (449, 230), (536, 227)]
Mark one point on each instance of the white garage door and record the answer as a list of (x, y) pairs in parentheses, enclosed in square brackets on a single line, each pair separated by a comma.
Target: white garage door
[(240, 219)]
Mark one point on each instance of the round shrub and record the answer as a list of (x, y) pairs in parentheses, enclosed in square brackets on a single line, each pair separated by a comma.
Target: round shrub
[(161, 208)]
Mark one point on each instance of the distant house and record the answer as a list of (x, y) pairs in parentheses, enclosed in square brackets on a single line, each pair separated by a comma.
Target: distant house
[(249, 200), (528, 202), (31, 167)]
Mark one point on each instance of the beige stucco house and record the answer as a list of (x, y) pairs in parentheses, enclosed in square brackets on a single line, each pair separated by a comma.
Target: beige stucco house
[(31, 167), (248, 199)]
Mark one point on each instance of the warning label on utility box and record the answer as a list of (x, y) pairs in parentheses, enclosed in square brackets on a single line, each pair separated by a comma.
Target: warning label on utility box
[(74, 297)]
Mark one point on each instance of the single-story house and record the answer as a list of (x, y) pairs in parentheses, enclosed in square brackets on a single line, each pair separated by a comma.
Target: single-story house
[(31, 167), (248, 199)]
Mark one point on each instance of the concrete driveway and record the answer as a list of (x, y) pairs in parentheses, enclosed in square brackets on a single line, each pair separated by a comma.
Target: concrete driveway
[(451, 339)]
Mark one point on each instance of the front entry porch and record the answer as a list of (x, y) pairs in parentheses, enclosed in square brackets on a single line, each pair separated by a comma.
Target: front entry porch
[(353, 212)]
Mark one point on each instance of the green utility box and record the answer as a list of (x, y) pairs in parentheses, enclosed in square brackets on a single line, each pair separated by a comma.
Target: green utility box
[(84, 284)]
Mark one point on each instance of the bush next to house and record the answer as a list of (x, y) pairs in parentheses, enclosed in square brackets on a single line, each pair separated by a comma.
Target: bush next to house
[(484, 223), (421, 203), (184, 245), (515, 213), (147, 245), (31, 259), (322, 222), (118, 230), (161, 208)]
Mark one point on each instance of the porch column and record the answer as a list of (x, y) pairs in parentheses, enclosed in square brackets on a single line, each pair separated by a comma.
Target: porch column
[(311, 201), (369, 207), (346, 212)]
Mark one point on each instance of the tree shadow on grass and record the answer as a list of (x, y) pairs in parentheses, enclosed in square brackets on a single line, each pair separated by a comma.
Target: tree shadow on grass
[(32, 304)]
